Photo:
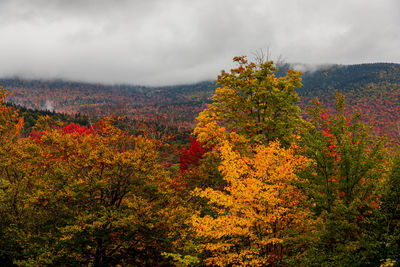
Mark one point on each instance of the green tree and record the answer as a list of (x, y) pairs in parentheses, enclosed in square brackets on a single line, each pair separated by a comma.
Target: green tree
[(389, 224), (253, 102), (345, 178)]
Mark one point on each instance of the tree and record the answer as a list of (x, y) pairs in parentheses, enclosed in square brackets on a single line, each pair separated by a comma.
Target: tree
[(258, 210), (92, 196), (253, 102), (13, 177), (390, 215), (346, 173), (10, 122)]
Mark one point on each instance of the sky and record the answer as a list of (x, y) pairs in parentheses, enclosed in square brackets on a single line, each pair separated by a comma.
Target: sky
[(165, 42)]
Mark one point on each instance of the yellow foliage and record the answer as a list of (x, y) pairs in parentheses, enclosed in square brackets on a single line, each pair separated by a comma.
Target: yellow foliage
[(10, 123), (260, 206)]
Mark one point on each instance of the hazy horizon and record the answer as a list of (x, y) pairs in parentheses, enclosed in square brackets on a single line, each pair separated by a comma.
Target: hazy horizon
[(156, 43), (297, 66)]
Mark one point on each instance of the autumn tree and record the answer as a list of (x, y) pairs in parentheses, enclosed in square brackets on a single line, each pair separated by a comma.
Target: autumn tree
[(94, 196), (13, 177), (345, 176), (252, 105), (10, 122), (258, 210), (253, 102)]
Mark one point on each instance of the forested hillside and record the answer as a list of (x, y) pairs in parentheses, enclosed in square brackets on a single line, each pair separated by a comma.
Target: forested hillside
[(172, 105), (347, 77), (258, 183), (373, 88)]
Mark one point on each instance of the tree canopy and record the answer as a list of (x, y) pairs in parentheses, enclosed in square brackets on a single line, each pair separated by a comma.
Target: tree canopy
[(253, 102)]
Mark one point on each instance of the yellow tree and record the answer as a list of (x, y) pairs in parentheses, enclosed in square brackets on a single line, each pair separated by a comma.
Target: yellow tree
[(86, 196), (260, 208), (13, 177), (104, 187)]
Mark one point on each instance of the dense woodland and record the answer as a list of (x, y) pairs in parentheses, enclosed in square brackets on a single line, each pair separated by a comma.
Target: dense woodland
[(371, 88), (267, 175)]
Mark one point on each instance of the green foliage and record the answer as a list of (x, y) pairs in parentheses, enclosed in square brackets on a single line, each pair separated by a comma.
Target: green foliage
[(253, 102), (345, 181), (324, 82), (390, 216), (183, 261)]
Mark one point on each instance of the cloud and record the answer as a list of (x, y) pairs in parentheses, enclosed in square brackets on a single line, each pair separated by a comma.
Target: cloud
[(163, 42), (49, 105), (310, 68)]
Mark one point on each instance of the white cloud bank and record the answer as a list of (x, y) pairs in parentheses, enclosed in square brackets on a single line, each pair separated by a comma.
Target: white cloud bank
[(178, 41)]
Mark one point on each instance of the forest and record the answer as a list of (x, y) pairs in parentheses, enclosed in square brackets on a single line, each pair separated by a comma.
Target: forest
[(372, 88), (267, 174)]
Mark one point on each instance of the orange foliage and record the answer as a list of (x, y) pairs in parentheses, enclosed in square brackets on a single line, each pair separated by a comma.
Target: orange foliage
[(258, 209)]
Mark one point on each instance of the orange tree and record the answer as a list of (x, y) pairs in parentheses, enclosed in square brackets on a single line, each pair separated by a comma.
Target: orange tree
[(252, 102), (259, 210), (252, 107)]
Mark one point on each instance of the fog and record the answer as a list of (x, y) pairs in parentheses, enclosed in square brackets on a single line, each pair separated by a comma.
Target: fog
[(176, 41)]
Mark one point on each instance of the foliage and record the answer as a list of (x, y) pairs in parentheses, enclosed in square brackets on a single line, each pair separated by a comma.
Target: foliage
[(191, 156), (12, 171), (85, 196), (257, 211), (253, 102), (373, 88), (257, 185), (11, 124), (390, 212), (345, 178), (170, 106)]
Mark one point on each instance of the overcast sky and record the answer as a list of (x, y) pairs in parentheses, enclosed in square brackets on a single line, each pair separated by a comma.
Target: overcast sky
[(158, 42)]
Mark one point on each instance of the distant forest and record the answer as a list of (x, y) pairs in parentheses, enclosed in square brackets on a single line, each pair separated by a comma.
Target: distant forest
[(372, 88)]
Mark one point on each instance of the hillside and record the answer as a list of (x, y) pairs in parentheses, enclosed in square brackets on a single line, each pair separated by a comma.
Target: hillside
[(175, 105), (373, 88)]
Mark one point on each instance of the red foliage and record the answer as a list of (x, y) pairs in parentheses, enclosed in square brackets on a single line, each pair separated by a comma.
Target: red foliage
[(37, 136), (191, 156), (332, 143), (75, 128), (70, 129), (97, 127)]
